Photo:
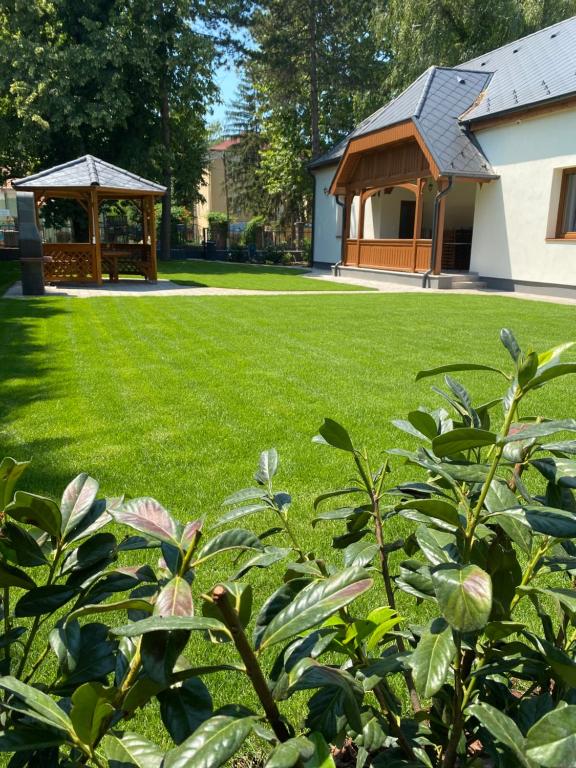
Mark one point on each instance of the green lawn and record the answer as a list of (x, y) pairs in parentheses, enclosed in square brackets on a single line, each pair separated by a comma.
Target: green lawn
[(217, 274), (9, 273), (175, 397)]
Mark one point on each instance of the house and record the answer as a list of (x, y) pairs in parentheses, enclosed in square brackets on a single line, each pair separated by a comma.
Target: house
[(469, 173), (216, 187)]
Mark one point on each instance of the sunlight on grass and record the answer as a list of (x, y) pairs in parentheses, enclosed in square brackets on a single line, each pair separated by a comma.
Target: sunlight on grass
[(217, 274)]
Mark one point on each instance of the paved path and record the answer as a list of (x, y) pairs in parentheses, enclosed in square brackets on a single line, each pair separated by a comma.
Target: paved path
[(167, 288)]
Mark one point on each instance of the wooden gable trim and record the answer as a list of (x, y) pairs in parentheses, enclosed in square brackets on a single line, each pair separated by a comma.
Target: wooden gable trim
[(376, 140)]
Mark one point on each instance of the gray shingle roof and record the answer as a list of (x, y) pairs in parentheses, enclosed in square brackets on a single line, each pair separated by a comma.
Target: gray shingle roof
[(538, 68), (443, 102), (88, 171), (449, 92), (433, 102)]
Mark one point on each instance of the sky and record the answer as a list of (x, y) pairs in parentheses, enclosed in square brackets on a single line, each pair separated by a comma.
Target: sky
[(227, 80)]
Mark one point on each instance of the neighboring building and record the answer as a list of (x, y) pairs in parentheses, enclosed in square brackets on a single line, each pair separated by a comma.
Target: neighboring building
[(471, 169), (215, 188)]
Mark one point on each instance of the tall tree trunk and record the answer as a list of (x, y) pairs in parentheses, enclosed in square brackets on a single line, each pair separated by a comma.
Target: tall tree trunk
[(313, 73), (165, 228)]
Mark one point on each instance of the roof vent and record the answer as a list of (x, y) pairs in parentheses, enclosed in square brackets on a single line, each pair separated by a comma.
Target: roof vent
[(553, 34), (515, 50), (461, 80), (483, 64)]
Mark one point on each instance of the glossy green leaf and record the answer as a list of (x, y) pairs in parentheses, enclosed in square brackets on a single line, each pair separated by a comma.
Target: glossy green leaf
[(246, 494), (98, 548), (289, 753), (212, 744), (435, 508), (509, 340), (315, 603), (91, 706), (35, 704), (432, 658), (268, 466), (424, 422), (549, 374), (10, 576), (335, 435), (464, 596), (184, 708), (227, 541), (462, 439), (558, 470), (500, 498), (23, 548), (540, 429), (386, 619), (551, 742), (45, 599), (169, 623), (551, 521), (149, 517), (450, 368), (322, 757), (238, 512), (36, 510), (501, 728), (278, 600), (77, 500), (268, 557), (174, 599), (24, 739), (360, 553), (10, 472), (130, 750)]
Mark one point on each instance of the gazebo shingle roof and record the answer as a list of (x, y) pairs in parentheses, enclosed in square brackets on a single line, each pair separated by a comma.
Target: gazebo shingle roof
[(85, 172)]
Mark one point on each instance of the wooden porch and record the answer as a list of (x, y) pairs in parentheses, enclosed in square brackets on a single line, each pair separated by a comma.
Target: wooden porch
[(396, 163)]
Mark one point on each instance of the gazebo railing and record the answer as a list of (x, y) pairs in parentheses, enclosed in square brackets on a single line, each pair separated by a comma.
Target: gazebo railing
[(78, 262), (70, 262)]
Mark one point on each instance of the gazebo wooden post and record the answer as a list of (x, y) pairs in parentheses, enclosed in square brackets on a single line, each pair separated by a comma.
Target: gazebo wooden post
[(94, 210), (153, 265)]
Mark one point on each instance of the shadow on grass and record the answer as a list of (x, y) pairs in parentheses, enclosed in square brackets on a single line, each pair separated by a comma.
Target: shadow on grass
[(24, 379)]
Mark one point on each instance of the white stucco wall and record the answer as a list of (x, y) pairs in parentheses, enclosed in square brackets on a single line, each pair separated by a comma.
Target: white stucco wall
[(515, 214), (327, 219)]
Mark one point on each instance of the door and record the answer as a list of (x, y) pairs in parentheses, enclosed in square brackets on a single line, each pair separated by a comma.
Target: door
[(407, 214)]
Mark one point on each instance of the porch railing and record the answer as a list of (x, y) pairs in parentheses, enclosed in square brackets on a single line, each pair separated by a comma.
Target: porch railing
[(393, 254)]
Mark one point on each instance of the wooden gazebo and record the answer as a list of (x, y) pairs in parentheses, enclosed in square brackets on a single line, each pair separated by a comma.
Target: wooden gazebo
[(90, 181)]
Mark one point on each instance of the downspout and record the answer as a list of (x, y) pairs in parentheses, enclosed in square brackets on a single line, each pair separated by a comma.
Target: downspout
[(342, 205), (439, 195)]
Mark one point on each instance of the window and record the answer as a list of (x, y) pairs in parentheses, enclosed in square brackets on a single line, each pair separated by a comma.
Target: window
[(567, 211)]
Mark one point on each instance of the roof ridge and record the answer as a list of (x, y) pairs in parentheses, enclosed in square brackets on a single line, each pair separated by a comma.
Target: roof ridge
[(389, 103), (92, 170), (127, 173), (431, 71), (58, 167), (517, 40)]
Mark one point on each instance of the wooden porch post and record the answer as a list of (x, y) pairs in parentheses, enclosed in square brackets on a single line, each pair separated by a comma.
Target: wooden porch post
[(347, 214), (153, 263), (440, 232), (417, 221), (94, 208), (360, 232)]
